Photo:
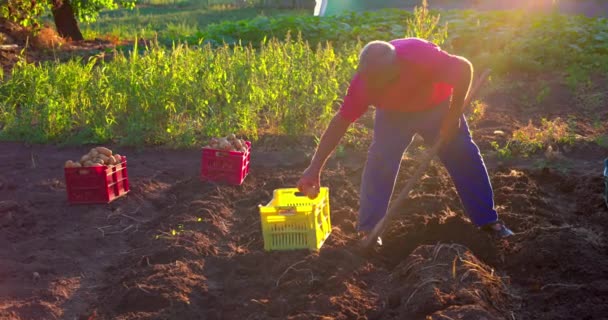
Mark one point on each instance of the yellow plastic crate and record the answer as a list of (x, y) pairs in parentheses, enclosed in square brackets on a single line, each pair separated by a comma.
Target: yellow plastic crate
[(293, 221)]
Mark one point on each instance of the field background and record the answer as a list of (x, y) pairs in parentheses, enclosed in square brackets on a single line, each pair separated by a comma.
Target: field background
[(157, 82)]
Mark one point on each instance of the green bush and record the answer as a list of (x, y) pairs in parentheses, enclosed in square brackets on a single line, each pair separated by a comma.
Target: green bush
[(507, 41), (178, 95), (262, 80)]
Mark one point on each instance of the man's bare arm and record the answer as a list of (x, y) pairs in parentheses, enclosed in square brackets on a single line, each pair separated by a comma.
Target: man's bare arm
[(330, 139)]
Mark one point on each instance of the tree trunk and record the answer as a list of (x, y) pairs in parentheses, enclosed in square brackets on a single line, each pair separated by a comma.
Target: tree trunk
[(65, 21)]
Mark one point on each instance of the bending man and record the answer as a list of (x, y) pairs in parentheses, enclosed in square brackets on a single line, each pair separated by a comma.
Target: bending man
[(416, 87)]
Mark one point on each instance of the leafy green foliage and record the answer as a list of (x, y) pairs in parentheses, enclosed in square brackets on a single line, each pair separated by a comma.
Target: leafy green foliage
[(503, 153), (29, 13), (507, 41), (531, 138), (426, 25), (23, 12), (88, 10), (177, 95), (251, 76), (349, 27), (169, 23)]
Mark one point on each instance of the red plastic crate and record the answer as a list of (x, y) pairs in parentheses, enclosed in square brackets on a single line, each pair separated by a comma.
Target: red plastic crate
[(229, 167), (103, 184)]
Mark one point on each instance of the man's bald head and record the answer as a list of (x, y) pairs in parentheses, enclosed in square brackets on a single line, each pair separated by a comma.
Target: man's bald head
[(376, 61), (376, 54)]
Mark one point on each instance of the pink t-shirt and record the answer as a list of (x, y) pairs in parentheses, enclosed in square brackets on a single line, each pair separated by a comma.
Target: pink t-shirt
[(427, 77)]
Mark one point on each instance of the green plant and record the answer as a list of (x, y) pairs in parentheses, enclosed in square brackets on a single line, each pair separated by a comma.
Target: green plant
[(478, 112), (251, 75), (65, 13), (26, 13), (505, 41), (178, 95), (530, 139), (423, 24), (503, 153)]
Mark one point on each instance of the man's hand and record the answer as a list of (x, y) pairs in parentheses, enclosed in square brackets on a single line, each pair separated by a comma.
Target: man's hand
[(310, 182)]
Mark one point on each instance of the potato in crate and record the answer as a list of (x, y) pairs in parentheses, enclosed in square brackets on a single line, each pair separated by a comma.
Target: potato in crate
[(293, 221), (226, 160), (99, 177)]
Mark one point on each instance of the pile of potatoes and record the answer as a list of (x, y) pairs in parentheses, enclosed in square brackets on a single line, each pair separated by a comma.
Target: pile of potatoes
[(228, 143), (99, 156)]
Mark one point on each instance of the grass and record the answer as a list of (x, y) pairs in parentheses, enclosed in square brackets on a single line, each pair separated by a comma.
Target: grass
[(181, 94), (176, 96), (169, 22)]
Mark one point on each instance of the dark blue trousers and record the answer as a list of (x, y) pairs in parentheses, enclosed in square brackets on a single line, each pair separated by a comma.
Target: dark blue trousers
[(393, 133)]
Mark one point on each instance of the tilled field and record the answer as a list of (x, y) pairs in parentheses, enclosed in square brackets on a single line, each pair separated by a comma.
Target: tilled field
[(178, 248)]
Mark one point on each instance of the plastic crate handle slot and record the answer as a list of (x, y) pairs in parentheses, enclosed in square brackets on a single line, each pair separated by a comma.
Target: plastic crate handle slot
[(320, 217), (83, 172), (287, 211)]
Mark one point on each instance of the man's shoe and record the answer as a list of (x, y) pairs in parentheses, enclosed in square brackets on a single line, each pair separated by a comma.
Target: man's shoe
[(497, 229)]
